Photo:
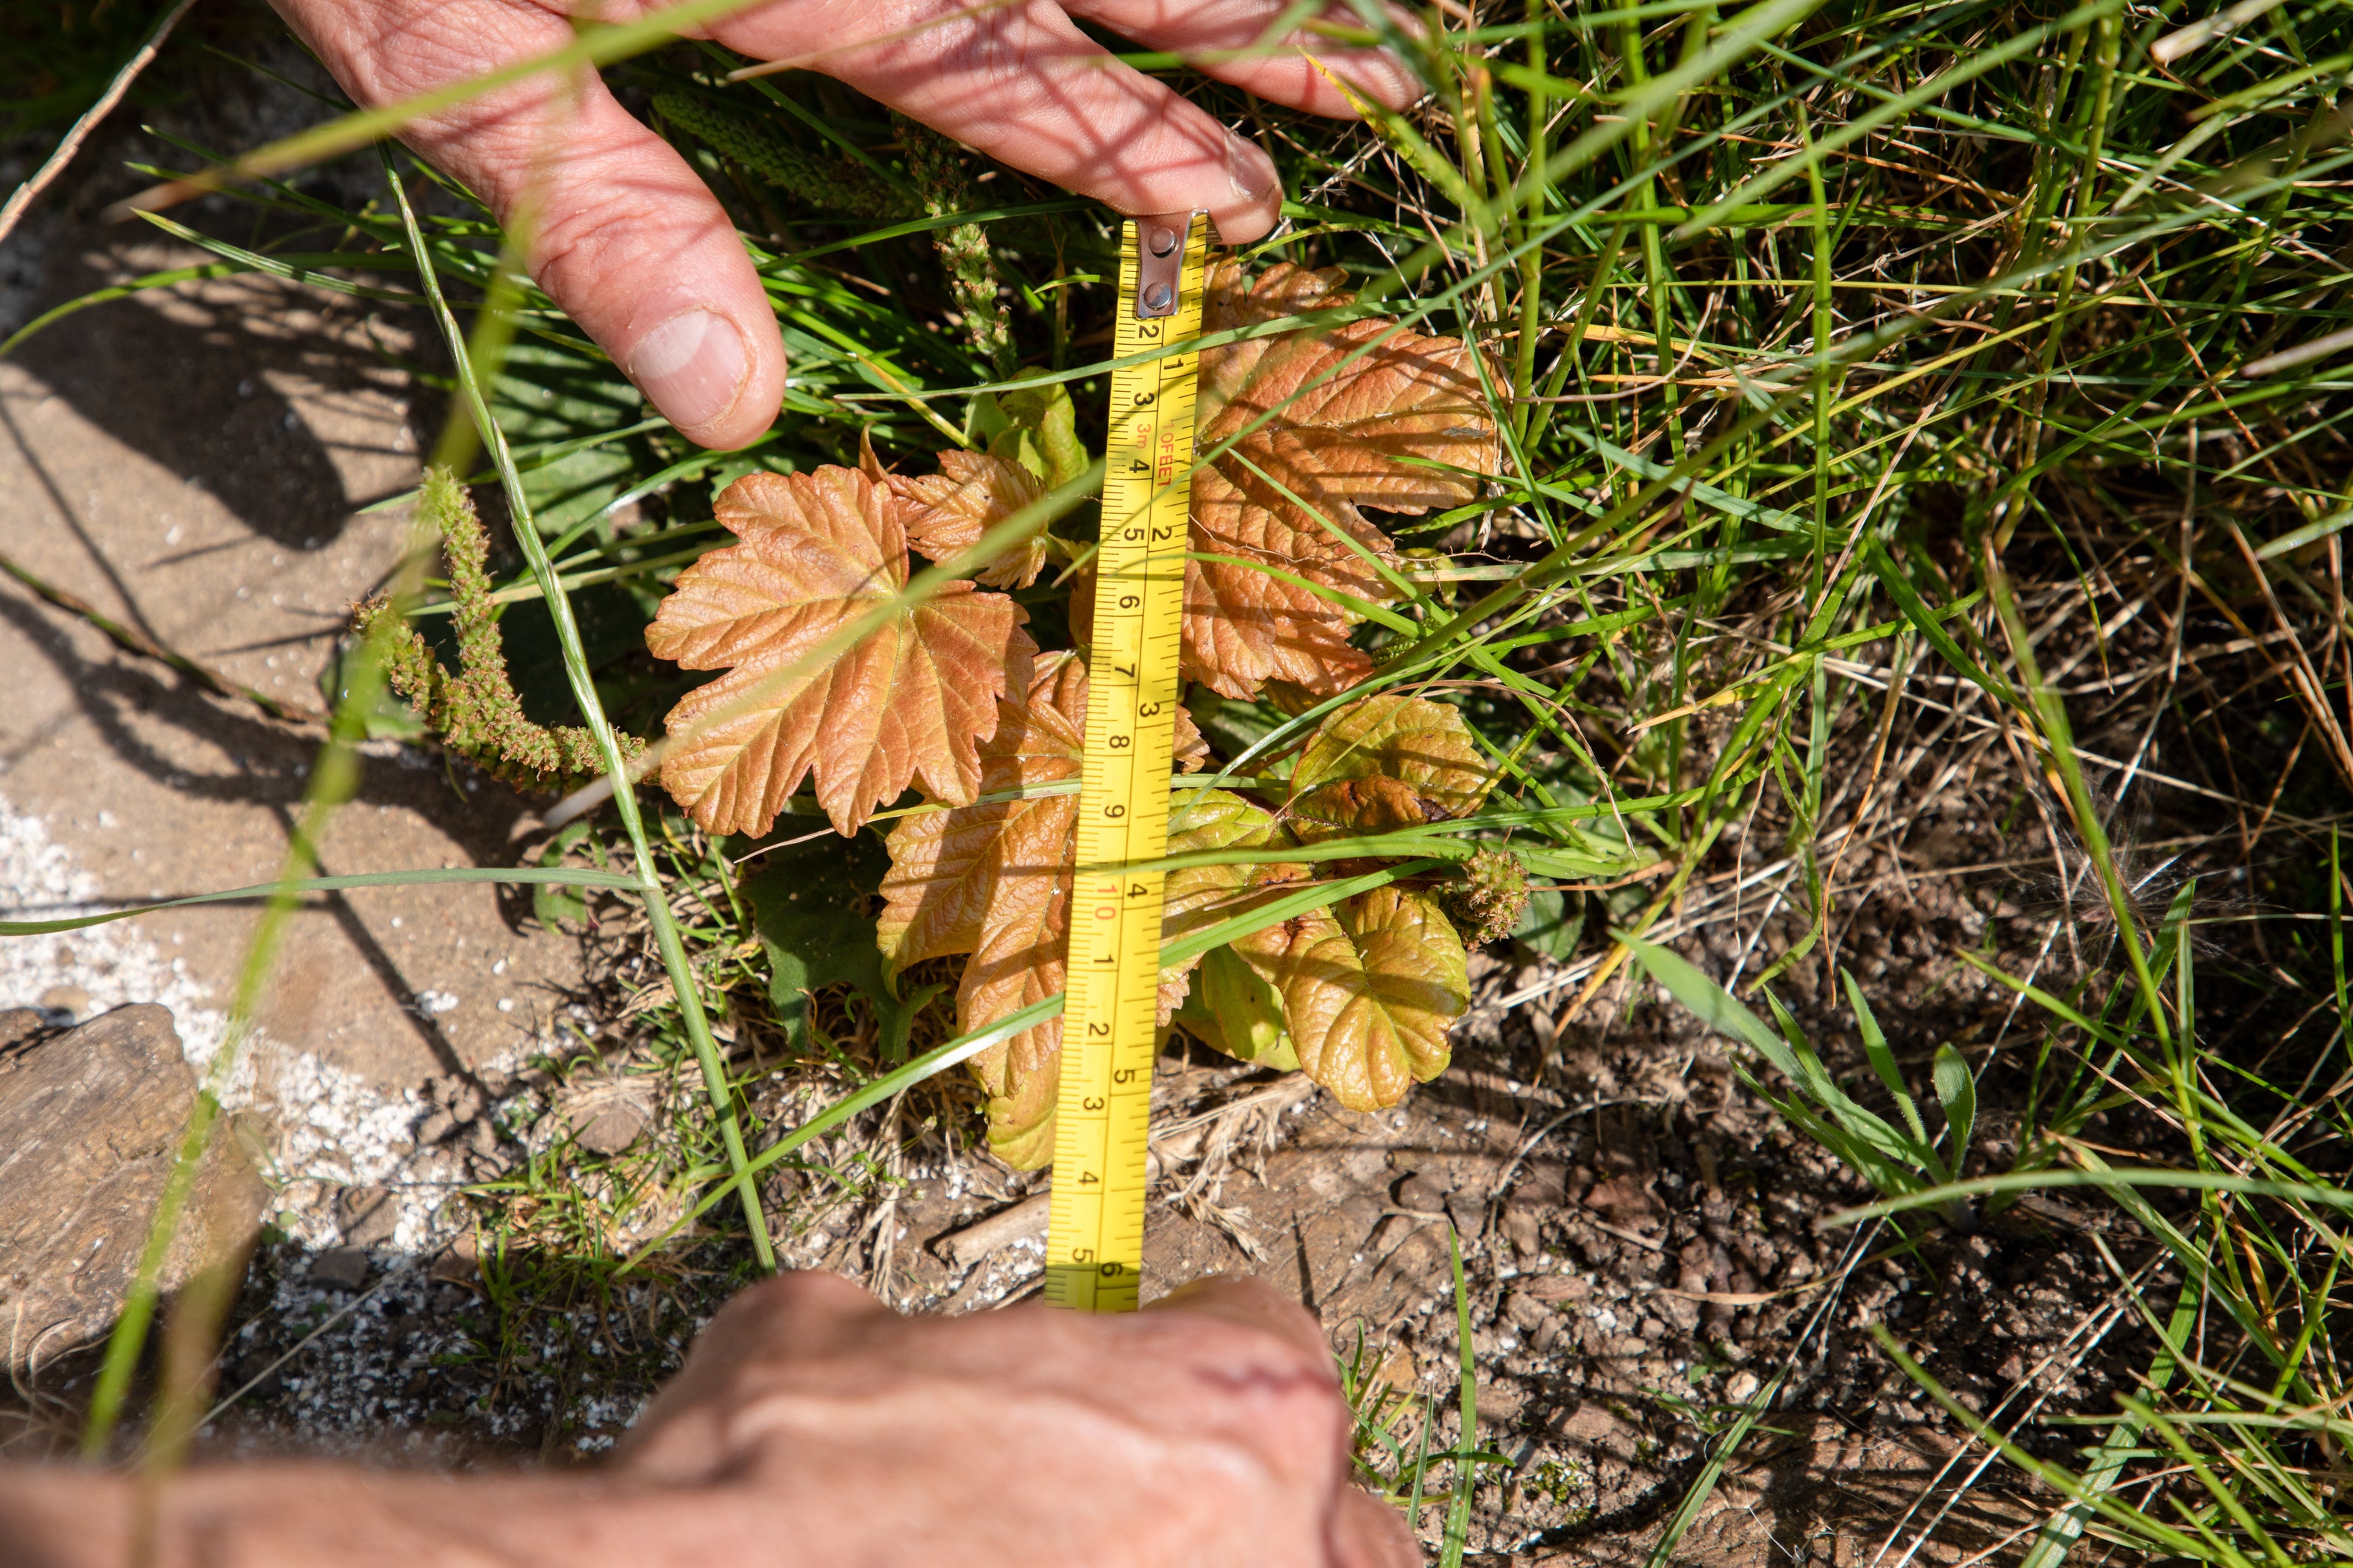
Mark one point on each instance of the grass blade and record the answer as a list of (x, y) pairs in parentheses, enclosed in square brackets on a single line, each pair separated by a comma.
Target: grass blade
[(471, 376), (544, 875)]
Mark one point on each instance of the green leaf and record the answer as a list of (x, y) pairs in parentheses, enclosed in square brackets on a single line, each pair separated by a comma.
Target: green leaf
[(1044, 431), (1232, 726), (1311, 896), (1816, 1080), (1927, 622), (1370, 990), (1199, 896), (552, 393), (1233, 1010), (1882, 1060), (809, 903), (1567, 866), (1714, 1005), (1419, 754), (1957, 1091), (1891, 1162), (1553, 924), (2177, 926), (553, 904)]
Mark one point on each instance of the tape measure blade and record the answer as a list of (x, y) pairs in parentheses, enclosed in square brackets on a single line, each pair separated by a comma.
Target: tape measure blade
[(1095, 1249)]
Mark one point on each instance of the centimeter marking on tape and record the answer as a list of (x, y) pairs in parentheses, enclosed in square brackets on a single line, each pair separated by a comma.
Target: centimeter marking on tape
[(1094, 1244)]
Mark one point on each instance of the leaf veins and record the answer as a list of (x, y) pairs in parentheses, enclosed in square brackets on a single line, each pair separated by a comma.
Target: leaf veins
[(1198, 897), (907, 704), (1322, 422), (1369, 990), (993, 878), (948, 511), (1385, 763)]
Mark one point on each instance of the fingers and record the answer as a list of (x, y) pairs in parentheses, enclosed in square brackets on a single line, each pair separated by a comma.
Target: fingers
[(1020, 82), (1255, 1363), (1254, 1303), (1368, 1534), (623, 235), (687, 1432), (1361, 1530), (1228, 39)]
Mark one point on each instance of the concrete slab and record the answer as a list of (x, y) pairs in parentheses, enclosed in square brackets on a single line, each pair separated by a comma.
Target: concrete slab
[(192, 462)]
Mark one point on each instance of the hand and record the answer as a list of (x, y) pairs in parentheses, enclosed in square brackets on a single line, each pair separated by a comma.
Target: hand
[(1207, 1428), (812, 1425), (627, 241)]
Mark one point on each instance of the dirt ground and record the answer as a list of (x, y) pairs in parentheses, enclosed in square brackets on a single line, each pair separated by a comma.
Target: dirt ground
[(1641, 1237)]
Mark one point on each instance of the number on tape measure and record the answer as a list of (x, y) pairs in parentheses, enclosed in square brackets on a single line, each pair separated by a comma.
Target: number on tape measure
[(1094, 1248)]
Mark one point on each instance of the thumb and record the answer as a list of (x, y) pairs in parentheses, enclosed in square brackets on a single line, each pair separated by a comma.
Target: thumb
[(624, 237), (636, 249)]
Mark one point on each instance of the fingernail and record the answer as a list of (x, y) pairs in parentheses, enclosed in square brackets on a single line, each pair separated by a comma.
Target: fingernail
[(1241, 155), (692, 367)]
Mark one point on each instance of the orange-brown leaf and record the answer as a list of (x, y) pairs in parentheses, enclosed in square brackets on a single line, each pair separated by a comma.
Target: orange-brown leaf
[(906, 705), (1351, 808), (1322, 422), (1385, 763), (1369, 990), (948, 511), (956, 873), (1019, 962), (993, 879)]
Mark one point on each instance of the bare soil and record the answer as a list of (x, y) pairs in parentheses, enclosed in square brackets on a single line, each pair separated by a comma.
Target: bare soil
[(1643, 1240)]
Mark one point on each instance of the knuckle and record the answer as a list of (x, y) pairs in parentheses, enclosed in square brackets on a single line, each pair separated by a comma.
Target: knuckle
[(567, 252), (1255, 1373), (933, 50), (802, 1290)]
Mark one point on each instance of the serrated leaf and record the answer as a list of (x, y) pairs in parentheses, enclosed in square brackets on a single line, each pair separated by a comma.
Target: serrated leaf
[(993, 879), (1369, 990), (948, 513), (1019, 962), (1321, 421), (908, 704), (1385, 763)]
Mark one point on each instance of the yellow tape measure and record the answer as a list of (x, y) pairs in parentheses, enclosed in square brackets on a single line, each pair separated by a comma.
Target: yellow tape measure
[(1095, 1246)]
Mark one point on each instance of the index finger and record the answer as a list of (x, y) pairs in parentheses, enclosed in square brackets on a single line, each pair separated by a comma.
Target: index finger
[(1017, 81)]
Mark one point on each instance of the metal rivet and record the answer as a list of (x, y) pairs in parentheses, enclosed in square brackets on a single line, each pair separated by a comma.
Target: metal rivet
[(1156, 296), (1164, 241)]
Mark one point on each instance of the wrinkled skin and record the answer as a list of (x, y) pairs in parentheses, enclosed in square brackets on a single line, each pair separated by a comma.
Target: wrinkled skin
[(627, 239), (813, 1425)]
